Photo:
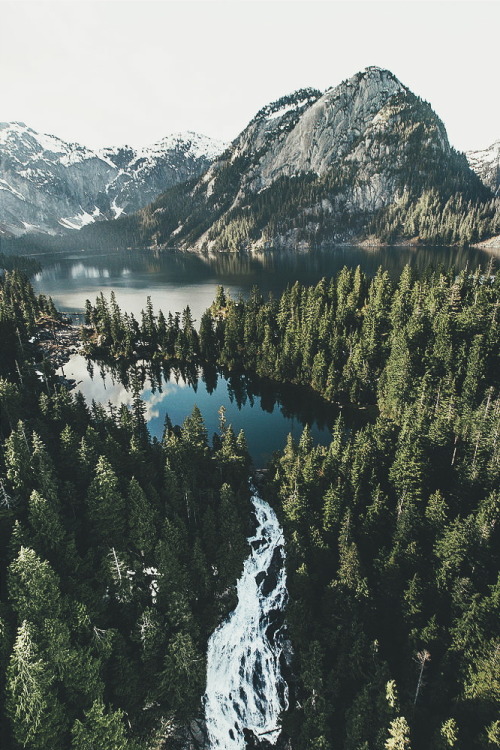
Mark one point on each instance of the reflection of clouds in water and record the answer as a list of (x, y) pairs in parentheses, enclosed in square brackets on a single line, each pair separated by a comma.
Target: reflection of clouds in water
[(80, 270), (110, 391), (155, 399), (114, 394)]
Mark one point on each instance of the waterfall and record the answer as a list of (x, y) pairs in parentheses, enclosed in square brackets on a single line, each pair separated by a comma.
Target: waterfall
[(245, 689)]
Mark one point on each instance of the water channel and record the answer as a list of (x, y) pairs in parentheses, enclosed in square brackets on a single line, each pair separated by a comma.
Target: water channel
[(246, 691)]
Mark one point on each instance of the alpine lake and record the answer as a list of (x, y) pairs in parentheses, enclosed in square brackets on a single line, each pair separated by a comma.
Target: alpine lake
[(174, 280)]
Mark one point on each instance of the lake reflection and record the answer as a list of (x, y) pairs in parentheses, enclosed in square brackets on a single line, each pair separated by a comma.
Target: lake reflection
[(266, 413), (174, 280)]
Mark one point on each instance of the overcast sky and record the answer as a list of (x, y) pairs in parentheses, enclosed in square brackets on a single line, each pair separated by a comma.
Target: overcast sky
[(115, 72)]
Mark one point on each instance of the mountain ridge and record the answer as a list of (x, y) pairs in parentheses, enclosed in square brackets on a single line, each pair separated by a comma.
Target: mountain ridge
[(322, 168), (365, 161), (48, 184)]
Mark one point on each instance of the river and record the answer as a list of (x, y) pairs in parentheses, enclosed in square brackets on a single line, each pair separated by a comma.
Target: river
[(246, 692)]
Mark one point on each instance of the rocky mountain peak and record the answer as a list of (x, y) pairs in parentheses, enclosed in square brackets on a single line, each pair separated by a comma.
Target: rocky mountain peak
[(329, 127)]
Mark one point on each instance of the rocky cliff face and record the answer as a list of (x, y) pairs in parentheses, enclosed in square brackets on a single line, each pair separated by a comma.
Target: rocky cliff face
[(486, 164), (47, 184), (308, 132), (316, 167), (329, 127)]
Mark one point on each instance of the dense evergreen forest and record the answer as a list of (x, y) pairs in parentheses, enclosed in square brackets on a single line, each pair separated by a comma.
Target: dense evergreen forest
[(118, 555), (119, 552)]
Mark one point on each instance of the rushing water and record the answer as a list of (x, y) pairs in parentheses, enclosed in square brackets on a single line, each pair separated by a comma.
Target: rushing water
[(245, 687)]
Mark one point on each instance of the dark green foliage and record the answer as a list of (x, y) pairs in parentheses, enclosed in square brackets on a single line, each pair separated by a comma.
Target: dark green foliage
[(114, 335), (390, 557), (126, 595), (111, 579), (392, 530), (437, 219), (121, 552), (367, 342)]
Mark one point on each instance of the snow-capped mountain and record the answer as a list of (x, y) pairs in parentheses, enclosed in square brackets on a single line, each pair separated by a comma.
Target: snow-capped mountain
[(47, 184), (486, 164), (320, 168), (149, 171)]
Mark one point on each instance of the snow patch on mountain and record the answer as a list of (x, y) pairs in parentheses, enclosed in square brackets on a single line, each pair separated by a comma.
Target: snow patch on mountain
[(49, 185), (486, 164), (81, 219)]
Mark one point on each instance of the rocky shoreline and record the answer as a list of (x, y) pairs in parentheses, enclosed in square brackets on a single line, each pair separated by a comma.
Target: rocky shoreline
[(57, 340)]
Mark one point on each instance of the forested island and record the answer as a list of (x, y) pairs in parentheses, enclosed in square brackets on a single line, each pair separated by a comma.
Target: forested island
[(120, 552)]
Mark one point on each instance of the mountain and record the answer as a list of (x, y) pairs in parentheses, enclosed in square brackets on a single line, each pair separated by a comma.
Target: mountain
[(486, 164), (145, 173), (366, 158), (47, 184)]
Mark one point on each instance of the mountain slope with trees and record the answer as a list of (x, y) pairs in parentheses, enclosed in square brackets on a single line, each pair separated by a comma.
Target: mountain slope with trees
[(316, 169)]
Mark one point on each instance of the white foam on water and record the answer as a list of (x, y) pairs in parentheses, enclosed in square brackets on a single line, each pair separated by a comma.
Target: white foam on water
[(245, 688)]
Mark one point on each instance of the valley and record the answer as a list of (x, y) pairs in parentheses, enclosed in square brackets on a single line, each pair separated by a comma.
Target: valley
[(250, 496)]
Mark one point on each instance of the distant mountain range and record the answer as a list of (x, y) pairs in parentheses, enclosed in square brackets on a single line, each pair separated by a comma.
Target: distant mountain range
[(486, 164), (47, 184), (366, 161)]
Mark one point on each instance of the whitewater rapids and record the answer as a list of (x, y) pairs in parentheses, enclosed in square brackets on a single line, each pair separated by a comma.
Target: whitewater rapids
[(245, 688)]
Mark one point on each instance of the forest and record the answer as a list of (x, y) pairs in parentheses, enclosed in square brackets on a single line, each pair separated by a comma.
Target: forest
[(119, 552)]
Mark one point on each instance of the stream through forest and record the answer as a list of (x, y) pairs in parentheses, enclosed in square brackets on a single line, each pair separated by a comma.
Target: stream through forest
[(246, 692)]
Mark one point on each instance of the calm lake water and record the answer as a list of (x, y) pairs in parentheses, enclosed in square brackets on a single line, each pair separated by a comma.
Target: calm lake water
[(266, 414), (175, 280)]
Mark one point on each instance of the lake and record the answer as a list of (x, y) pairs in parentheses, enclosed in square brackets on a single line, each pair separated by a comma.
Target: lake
[(175, 280), (266, 413)]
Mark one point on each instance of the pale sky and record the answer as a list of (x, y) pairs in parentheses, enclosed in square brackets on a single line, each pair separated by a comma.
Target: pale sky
[(111, 72)]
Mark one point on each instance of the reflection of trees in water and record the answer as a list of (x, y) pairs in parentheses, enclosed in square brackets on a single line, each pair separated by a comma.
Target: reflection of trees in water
[(311, 265), (295, 403), (273, 270)]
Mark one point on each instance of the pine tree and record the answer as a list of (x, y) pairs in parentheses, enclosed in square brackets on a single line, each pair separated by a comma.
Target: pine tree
[(100, 729), (36, 715), (106, 506), (399, 735)]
